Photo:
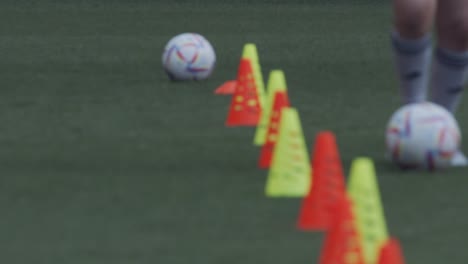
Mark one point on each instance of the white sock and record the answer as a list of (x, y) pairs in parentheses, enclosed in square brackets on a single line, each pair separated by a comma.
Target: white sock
[(412, 61), (448, 77), (459, 160)]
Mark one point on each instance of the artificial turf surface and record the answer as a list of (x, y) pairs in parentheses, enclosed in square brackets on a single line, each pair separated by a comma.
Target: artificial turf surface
[(103, 160)]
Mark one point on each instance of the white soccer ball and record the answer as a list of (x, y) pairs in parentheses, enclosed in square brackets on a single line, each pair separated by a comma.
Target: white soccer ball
[(422, 135), (188, 56)]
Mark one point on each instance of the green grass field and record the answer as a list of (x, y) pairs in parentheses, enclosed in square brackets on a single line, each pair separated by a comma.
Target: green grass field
[(103, 160)]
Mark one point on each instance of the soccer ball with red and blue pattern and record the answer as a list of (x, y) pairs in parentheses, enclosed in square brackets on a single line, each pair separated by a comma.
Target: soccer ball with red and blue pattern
[(422, 135), (188, 56)]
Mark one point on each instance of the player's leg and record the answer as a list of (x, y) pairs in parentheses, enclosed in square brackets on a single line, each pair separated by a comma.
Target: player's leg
[(451, 60), (411, 44)]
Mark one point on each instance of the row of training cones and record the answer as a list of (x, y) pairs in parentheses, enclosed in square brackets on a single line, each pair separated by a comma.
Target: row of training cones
[(277, 123), (352, 216)]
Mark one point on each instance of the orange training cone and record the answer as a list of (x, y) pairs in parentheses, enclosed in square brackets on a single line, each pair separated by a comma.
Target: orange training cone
[(327, 187), (341, 242), (391, 253), (229, 87), (245, 107), (266, 154)]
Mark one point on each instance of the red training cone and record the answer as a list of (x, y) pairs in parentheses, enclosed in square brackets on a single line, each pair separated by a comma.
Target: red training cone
[(327, 187), (342, 242), (266, 154), (391, 253), (245, 107)]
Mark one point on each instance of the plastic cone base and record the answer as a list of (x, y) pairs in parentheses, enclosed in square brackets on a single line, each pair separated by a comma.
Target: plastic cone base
[(226, 88)]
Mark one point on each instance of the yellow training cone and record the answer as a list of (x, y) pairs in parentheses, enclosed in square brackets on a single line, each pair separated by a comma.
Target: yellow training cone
[(276, 82), (290, 172), (250, 52), (370, 220)]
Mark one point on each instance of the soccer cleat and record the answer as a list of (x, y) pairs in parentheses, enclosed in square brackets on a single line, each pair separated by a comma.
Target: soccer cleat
[(459, 160)]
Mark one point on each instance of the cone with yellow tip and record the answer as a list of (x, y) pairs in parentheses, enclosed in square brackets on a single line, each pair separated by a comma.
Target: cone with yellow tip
[(290, 171), (249, 52), (276, 83), (370, 220)]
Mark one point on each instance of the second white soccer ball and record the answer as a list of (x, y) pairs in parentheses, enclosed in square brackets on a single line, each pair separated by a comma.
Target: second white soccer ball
[(422, 135), (188, 56)]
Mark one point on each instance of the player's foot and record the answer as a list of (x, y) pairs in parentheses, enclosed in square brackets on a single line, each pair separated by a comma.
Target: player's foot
[(459, 160)]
